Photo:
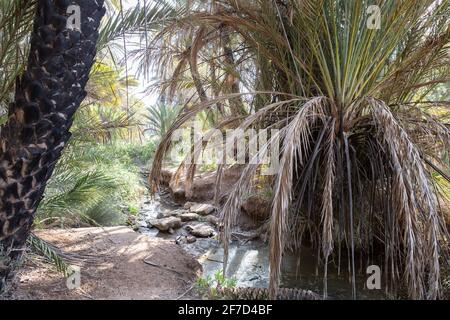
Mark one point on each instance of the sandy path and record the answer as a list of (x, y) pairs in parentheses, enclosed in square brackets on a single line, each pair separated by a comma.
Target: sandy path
[(115, 269)]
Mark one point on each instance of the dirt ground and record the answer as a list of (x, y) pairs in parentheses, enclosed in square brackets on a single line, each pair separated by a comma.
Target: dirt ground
[(114, 267)]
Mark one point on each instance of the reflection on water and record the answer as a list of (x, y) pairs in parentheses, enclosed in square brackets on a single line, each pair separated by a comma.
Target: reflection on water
[(306, 275), (249, 265)]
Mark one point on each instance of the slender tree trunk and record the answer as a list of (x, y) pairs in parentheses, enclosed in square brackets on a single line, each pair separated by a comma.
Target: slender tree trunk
[(232, 82), (197, 44), (47, 96)]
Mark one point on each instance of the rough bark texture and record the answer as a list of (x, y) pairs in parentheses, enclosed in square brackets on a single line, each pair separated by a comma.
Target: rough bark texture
[(46, 98)]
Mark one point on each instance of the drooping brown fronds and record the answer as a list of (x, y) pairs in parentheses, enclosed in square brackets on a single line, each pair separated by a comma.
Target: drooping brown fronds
[(295, 150), (364, 140)]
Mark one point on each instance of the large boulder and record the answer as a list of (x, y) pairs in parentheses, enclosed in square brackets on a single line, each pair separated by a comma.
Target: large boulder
[(201, 230), (202, 209), (189, 216), (166, 224), (178, 212), (189, 204), (166, 212), (185, 239), (213, 220)]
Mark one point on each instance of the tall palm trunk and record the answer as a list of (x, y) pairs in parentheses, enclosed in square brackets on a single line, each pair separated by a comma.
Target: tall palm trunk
[(46, 98)]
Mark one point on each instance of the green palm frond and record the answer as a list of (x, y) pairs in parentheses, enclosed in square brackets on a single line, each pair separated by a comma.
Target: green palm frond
[(49, 252), (134, 22), (160, 117), (102, 124), (16, 19), (72, 193)]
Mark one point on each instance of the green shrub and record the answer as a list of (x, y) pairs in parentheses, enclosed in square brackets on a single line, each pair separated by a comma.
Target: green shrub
[(93, 184), (209, 287)]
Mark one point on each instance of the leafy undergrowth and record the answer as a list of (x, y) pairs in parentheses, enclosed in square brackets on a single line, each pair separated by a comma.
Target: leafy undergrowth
[(94, 185), (210, 287)]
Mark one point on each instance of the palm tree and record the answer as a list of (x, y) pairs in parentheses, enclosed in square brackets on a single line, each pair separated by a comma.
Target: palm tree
[(160, 118), (353, 108), (46, 97)]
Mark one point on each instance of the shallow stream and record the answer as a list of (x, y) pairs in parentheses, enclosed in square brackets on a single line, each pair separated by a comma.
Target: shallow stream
[(249, 263)]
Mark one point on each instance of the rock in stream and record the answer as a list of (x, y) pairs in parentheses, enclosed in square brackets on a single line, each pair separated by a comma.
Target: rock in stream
[(202, 209), (166, 224), (202, 230)]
